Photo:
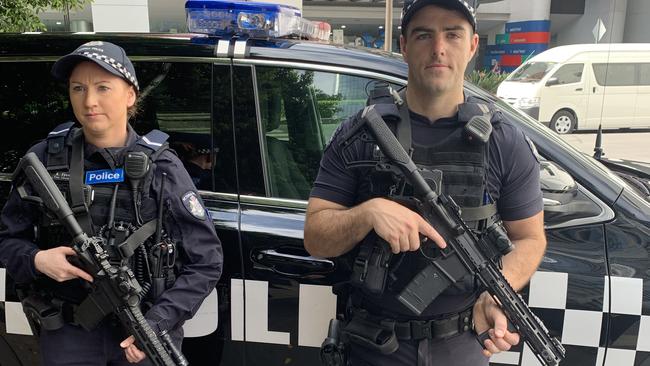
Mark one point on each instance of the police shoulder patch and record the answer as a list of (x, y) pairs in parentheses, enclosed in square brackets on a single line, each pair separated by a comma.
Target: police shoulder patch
[(193, 205)]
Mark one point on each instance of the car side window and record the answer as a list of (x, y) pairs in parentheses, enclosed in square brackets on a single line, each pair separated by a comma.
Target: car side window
[(299, 110), (32, 103), (176, 99), (614, 74), (568, 74)]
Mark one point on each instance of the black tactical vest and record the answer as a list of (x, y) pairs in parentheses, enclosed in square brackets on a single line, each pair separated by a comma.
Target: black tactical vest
[(91, 204), (464, 168)]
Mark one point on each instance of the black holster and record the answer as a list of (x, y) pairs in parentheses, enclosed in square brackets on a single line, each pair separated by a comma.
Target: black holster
[(43, 312), (374, 335), (333, 351)]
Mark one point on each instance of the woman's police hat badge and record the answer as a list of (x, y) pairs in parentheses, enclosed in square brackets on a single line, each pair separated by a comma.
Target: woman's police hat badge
[(108, 56), (466, 7)]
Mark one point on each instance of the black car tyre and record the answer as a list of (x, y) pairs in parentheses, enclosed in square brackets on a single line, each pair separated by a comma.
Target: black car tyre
[(563, 122)]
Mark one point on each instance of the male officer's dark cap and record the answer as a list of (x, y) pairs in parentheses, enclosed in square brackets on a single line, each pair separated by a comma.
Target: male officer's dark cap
[(108, 56), (466, 7), (201, 143)]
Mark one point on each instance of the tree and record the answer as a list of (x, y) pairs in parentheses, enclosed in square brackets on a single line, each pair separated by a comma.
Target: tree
[(22, 15)]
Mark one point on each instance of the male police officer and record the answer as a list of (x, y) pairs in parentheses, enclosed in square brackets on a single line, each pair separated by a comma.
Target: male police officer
[(197, 155), (130, 190), (348, 203)]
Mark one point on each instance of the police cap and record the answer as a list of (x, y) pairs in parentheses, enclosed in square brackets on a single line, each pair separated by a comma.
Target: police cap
[(192, 143), (108, 56), (466, 7)]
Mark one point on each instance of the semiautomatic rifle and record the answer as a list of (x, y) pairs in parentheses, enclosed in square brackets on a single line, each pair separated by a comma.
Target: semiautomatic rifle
[(114, 288)]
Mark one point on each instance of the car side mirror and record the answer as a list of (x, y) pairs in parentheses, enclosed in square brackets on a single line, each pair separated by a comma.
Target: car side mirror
[(558, 186), (552, 81)]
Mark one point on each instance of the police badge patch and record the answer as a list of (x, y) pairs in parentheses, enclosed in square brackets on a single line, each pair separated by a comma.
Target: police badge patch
[(193, 205)]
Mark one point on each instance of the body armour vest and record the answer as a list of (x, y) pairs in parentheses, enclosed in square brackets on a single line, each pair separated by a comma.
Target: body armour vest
[(91, 203), (453, 166)]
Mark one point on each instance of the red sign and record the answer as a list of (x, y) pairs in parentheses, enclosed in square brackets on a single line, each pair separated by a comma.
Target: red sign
[(530, 37), (511, 60)]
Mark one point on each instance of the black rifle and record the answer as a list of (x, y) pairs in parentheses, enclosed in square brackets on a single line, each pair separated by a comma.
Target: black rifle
[(464, 254), (114, 287)]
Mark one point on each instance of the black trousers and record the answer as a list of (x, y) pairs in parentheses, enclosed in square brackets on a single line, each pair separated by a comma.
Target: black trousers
[(460, 350), (73, 346)]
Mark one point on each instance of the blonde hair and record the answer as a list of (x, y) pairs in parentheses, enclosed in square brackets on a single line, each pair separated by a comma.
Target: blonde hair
[(133, 110)]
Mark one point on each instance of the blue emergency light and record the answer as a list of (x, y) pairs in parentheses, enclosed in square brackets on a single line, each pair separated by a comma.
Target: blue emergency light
[(266, 20)]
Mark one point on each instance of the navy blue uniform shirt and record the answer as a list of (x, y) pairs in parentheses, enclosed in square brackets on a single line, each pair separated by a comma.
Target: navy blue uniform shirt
[(513, 177), (200, 250)]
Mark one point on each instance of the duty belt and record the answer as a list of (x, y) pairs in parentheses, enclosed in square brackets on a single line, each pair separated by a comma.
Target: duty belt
[(435, 328), (441, 328)]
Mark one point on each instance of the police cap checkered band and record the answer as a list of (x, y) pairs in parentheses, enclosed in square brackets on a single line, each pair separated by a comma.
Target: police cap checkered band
[(109, 56), (205, 150), (466, 7)]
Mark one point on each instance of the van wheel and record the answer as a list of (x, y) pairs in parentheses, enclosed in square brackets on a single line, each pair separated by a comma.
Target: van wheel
[(563, 122)]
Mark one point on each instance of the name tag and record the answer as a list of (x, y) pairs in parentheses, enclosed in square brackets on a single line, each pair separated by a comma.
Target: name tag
[(105, 176)]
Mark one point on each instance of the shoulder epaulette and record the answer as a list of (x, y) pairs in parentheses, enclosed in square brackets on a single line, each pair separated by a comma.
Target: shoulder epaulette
[(153, 140)]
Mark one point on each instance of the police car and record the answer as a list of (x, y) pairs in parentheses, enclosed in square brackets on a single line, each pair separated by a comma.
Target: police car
[(263, 108)]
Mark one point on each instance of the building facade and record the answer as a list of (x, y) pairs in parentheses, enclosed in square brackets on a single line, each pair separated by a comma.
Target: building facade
[(510, 30)]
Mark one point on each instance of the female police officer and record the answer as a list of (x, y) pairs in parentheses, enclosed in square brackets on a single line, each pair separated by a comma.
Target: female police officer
[(115, 203)]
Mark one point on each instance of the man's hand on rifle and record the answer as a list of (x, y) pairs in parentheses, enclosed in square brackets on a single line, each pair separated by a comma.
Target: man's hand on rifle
[(399, 226), (133, 354), (54, 264), (488, 316)]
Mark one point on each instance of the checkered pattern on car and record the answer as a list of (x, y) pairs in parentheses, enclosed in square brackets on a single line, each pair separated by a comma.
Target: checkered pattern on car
[(580, 323), (554, 297)]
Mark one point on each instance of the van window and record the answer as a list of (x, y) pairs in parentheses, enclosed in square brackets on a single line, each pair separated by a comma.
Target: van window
[(568, 74), (300, 110), (531, 72), (644, 74), (619, 74)]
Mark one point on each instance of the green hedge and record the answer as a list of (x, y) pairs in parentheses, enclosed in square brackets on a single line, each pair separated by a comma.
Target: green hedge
[(487, 80)]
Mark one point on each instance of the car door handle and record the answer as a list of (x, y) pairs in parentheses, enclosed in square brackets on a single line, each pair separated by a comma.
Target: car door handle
[(292, 265), (579, 89), (594, 89)]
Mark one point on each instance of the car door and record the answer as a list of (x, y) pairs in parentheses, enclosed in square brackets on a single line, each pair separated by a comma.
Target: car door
[(191, 102), (289, 299), (628, 246)]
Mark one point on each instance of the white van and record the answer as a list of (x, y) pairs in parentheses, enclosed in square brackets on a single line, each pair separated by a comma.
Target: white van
[(581, 86)]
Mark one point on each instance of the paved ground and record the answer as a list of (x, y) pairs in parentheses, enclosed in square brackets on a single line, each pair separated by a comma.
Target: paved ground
[(622, 145)]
